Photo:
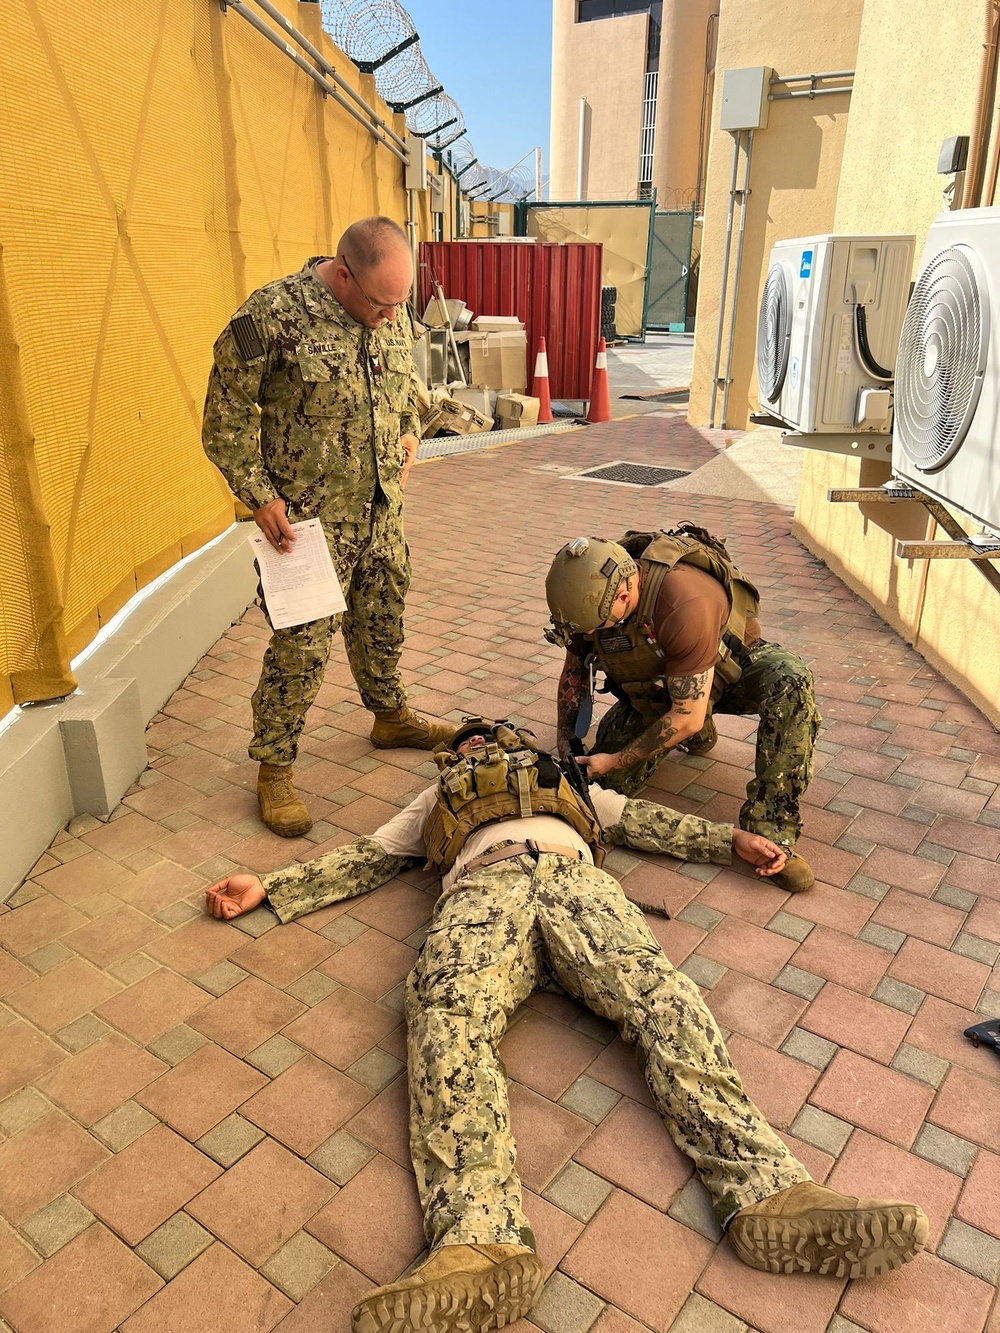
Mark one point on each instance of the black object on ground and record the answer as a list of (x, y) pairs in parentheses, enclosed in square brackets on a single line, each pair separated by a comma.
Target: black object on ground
[(985, 1034)]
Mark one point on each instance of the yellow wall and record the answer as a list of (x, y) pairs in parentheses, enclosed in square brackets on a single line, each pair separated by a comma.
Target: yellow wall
[(159, 163), (794, 176), (910, 94), (604, 61)]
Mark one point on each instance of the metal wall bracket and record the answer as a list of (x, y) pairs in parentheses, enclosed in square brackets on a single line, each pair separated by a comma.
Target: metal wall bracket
[(854, 446), (982, 548)]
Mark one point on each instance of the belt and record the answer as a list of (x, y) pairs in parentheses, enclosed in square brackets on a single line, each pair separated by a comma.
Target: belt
[(506, 851)]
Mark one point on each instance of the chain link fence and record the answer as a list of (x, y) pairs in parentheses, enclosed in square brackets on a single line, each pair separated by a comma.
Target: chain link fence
[(380, 38)]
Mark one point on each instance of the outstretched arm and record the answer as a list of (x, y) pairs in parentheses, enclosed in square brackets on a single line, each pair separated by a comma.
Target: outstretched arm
[(358, 867), (689, 705), (345, 872), (649, 827)]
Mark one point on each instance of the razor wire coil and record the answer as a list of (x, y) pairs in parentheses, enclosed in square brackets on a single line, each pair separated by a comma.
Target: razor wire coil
[(379, 36)]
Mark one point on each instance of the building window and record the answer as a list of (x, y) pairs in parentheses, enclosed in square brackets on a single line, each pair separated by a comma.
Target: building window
[(648, 135)]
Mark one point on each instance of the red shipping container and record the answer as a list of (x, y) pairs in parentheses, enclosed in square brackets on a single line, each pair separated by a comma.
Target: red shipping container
[(554, 290)]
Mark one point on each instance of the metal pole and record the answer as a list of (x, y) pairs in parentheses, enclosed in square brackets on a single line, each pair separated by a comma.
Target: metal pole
[(579, 148), (725, 278), (326, 67), (736, 278), (238, 7), (538, 175)]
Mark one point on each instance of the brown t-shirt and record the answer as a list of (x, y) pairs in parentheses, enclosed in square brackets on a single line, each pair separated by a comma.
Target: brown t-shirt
[(691, 610)]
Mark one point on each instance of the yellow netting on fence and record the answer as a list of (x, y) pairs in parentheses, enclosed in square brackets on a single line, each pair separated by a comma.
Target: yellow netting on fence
[(159, 162)]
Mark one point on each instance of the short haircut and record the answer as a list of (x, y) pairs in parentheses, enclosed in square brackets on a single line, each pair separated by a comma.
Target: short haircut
[(368, 242)]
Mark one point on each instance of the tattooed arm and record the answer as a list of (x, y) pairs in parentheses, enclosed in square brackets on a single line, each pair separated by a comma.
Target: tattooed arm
[(689, 705), (570, 695)]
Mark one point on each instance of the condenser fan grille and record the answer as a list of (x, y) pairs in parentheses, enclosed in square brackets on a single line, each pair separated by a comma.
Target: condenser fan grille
[(942, 356), (774, 328)]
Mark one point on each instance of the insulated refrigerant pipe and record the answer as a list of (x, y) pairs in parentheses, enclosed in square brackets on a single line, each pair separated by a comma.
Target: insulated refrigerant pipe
[(736, 277), (725, 278)]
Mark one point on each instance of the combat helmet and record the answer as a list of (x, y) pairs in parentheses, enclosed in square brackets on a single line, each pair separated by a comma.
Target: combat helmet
[(582, 585)]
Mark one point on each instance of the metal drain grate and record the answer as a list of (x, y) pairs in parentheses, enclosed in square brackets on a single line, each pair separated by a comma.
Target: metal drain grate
[(632, 474)]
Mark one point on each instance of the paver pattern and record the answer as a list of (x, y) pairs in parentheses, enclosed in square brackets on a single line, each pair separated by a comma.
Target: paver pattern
[(203, 1126)]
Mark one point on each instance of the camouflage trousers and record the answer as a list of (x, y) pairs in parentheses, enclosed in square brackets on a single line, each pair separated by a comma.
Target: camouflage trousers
[(778, 686), (505, 931), (373, 565)]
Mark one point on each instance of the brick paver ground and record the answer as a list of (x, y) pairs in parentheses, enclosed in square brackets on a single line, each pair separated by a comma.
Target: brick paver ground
[(202, 1126)]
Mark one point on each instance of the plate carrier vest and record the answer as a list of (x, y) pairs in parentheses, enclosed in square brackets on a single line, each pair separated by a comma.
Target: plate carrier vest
[(508, 779), (628, 653)]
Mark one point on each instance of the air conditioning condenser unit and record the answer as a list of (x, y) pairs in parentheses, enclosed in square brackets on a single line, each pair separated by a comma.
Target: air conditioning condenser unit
[(948, 369), (828, 329)]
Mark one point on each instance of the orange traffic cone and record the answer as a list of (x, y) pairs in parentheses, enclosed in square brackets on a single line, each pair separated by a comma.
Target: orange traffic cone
[(600, 400), (540, 385)]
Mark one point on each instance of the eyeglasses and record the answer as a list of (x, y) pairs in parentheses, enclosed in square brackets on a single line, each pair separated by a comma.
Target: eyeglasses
[(377, 306)]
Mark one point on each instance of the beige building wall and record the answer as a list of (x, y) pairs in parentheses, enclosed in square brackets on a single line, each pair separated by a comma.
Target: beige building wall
[(910, 94), (679, 100), (794, 178), (605, 62)]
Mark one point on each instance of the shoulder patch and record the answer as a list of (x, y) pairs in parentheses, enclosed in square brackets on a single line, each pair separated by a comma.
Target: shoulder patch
[(247, 339)]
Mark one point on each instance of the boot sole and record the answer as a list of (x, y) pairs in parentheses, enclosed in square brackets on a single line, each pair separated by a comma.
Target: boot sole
[(863, 1242), (459, 1303)]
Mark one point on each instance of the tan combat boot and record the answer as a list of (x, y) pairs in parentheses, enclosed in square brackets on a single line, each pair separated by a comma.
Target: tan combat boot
[(704, 740), (810, 1229), (796, 877), (406, 730), (280, 806), (459, 1289)]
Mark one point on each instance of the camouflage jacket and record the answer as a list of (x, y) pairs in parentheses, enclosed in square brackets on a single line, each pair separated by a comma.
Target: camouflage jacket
[(367, 863), (306, 404)]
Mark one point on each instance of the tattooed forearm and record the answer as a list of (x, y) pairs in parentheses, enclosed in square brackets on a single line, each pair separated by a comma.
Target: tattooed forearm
[(661, 736), (689, 702), (569, 696), (688, 688)]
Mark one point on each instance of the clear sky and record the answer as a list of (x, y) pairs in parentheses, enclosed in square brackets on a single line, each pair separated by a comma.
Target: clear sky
[(495, 60)]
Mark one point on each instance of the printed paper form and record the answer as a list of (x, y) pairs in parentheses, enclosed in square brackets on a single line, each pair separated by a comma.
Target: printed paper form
[(301, 585)]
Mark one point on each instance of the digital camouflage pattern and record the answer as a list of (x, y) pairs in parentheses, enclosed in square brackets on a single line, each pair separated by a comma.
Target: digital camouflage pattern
[(778, 686), (505, 931), (306, 405), (345, 872), (500, 933), (646, 826), (373, 565)]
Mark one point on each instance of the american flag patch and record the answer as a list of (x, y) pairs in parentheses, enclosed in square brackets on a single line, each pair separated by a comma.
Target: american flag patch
[(246, 338)]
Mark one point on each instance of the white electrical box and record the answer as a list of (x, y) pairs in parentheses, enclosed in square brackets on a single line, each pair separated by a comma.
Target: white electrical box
[(416, 163), (830, 319), (439, 193), (745, 98)]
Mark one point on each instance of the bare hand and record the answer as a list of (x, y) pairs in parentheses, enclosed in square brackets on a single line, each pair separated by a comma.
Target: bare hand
[(766, 856), (410, 445), (234, 896), (273, 523), (597, 764)]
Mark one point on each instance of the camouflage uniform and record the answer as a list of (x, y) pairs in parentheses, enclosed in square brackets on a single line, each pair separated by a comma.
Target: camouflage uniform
[(777, 685), (500, 932), (334, 398)]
